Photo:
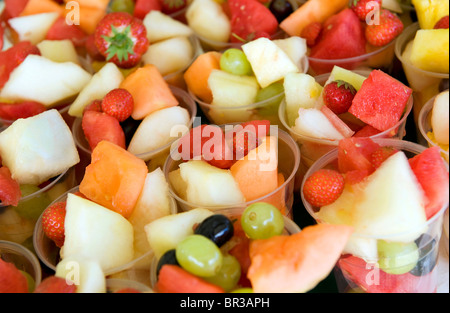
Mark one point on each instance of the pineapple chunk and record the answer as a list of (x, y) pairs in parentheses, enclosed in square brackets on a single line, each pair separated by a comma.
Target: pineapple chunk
[(430, 50), (429, 12), (339, 73)]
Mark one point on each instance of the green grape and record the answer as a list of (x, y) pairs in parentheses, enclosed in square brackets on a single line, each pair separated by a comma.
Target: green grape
[(235, 61), (262, 220), (271, 91), (396, 257), (243, 290), (199, 256), (229, 273), (122, 6), (30, 281), (32, 208)]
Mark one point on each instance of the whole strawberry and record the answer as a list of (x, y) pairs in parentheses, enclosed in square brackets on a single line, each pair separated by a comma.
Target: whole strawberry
[(338, 96), (384, 32), (363, 8), (121, 39), (323, 187), (53, 223), (311, 32), (442, 23), (118, 103)]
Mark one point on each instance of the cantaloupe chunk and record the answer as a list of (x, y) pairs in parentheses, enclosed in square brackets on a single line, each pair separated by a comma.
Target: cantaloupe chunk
[(114, 179), (89, 17), (99, 4), (278, 199), (311, 11), (296, 263), (150, 91), (196, 76), (41, 6), (257, 173)]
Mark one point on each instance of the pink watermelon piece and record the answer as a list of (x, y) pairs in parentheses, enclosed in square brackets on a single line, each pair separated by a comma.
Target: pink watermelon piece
[(373, 280), (354, 154), (14, 111), (381, 101), (367, 131), (9, 188), (432, 175), (339, 124)]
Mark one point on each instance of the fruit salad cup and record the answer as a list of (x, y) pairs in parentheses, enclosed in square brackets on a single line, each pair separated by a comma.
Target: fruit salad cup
[(24, 260), (390, 251), (126, 286)]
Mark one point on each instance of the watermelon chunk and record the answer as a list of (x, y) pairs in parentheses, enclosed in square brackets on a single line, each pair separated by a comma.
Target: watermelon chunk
[(381, 101), (99, 126), (14, 111), (354, 154), (432, 175), (11, 279), (9, 188), (60, 30)]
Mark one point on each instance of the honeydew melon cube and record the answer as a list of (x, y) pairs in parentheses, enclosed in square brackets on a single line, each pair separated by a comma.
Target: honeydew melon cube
[(34, 27), (59, 51), (161, 26)]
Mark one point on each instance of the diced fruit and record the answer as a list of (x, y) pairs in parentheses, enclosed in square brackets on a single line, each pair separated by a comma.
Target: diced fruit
[(338, 96), (397, 258), (41, 6), (384, 32), (380, 155), (354, 154), (354, 79), (339, 124), (106, 236), (442, 23), (314, 123), (33, 28), (173, 6), (114, 178), (311, 33), (122, 6), (367, 131), (53, 284), (381, 101), (439, 118), (229, 273), (13, 8), (218, 228), (11, 279), (53, 223), (99, 126), (143, 7), (10, 189), (118, 103), (249, 137), (363, 8), (323, 187), (161, 27), (262, 221), (430, 50), (295, 47), (284, 263), (430, 12), (59, 51), (61, 30), (38, 148), (235, 61), (32, 207)]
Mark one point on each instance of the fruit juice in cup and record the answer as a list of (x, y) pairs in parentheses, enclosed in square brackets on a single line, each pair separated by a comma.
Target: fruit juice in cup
[(384, 260), (281, 195), (24, 260), (49, 253)]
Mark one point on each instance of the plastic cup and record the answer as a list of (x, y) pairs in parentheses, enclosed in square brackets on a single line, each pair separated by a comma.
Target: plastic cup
[(288, 164), (290, 228), (354, 273), (17, 223), (425, 84), (262, 110), (23, 259), (49, 253), (312, 149), (116, 285), (154, 158)]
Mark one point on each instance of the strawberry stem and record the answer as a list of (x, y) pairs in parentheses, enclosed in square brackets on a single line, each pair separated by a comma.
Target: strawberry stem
[(120, 44)]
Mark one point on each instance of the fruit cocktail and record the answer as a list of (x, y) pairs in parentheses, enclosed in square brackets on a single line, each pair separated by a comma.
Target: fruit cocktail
[(394, 194)]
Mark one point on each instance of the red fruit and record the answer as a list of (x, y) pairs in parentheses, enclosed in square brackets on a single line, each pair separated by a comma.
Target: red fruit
[(9, 188), (98, 126), (14, 111), (13, 8), (442, 23), (2, 32), (355, 176), (92, 50), (382, 33), (323, 187), (118, 103), (241, 251), (380, 155), (363, 8), (54, 284), (311, 33), (11, 279), (249, 137), (172, 6), (53, 223), (338, 96), (60, 30), (250, 19), (143, 7), (121, 39), (354, 154), (95, 105), (367, 131)]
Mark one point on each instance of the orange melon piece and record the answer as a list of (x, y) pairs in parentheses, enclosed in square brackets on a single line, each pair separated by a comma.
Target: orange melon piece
[(277, 199), (41, 6), (196, 76), (99, 4), (114, 179), (311, 11), (90, 17), (296, 263), (257, 173), (150, 91)]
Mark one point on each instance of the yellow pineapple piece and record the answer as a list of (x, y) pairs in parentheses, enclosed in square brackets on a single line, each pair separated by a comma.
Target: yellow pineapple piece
[(429, 12), (430, 50)]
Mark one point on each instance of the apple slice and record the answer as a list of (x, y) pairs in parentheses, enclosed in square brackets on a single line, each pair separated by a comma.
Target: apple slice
[(161, 26), (34, 27)]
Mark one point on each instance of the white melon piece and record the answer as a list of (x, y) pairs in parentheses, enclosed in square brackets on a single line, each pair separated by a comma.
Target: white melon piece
[(170, 55), (167, 232), (295, 47), (86, 274), (392, 5), (313, 123), (269, 62), (34, 27), (440, 118), (208, 185), (179, 185), (97, 233), (207, 19), (155, 130), (38, 148), (108, 78), (42, 80), (161, 26), (59, 51)]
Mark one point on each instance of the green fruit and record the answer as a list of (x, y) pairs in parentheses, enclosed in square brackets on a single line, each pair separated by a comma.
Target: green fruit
[(30, 281), (396, 257), (275, 92), (33, 207), (243, 290), (235, 61), (229, 273), (122, 6), (262, 220)]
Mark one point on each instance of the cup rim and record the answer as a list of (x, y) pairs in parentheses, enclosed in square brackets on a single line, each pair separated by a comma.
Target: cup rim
[(38, 234), (332, 155), (128, 283), (281, 135)]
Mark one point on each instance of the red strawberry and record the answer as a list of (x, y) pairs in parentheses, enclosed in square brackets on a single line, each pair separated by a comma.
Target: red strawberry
[(323, 187), (338, 96), (9, 188), (442, 23), (95, 105), (172, 6), (118, 103), (380, 34), (249, 137), (53, 223), (380, 155), (121, 39), (311, 32), (364, 7), (54, 284)]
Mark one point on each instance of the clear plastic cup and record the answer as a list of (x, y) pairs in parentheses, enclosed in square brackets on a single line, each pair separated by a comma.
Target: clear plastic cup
[(290, 228), (117, 285), (288, 164), (312, 149), (263, 110), (17, 223), (425, 84), (354, 274), (23, 259), (49, 254)]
